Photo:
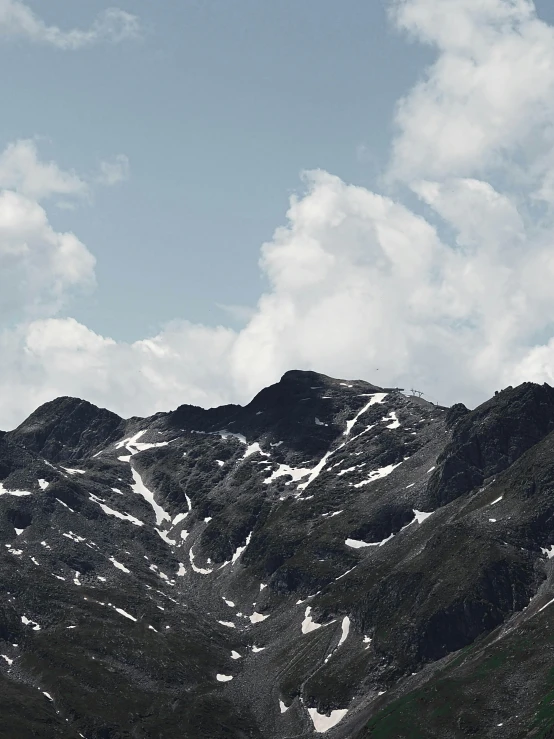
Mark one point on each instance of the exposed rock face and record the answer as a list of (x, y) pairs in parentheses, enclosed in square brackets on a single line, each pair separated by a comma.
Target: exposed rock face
[(487, 440), (67, 429), (331, 558)]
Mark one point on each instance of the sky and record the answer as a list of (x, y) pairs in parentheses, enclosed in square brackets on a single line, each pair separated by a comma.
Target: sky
[(196, 197)]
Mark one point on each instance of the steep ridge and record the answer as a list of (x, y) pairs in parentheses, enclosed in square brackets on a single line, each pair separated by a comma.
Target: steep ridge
[(67, 429), (334, 557)]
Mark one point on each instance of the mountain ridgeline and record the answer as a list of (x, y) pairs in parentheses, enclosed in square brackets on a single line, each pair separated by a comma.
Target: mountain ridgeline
[(333, 558)]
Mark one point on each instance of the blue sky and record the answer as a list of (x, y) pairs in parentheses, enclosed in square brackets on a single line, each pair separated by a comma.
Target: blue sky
[(218, 106), (168, 140)]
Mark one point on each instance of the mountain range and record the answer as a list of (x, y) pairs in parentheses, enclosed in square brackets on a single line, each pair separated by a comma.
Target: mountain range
[(333, 558)]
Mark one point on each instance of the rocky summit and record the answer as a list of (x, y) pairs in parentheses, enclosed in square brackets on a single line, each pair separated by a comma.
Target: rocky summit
[(333, 558)]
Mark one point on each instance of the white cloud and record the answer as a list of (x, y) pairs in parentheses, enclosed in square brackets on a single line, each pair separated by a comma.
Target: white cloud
[(43, 359), (357, 281), (22, 171), (489, 93), (112, 25), (457, 301), (39, 267), (114, 172)]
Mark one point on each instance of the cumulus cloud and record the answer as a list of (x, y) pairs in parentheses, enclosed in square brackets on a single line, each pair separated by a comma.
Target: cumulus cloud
[(455, 299), (357, 282), (489, 92), (39, 267), (21, 170), (112, 25)]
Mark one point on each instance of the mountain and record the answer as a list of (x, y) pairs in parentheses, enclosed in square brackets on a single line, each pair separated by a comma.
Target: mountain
[(333, 558)]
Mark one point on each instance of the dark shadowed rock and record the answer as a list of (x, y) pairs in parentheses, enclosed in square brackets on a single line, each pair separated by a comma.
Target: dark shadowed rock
[(490, 438), (67, 429), (244, 571)]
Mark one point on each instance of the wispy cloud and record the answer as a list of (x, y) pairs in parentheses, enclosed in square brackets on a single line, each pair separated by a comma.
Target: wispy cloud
[(114, 172), (22, 170), (18, 20)]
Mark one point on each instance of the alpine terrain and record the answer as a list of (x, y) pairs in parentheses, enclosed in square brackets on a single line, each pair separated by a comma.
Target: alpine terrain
[(333, 558)]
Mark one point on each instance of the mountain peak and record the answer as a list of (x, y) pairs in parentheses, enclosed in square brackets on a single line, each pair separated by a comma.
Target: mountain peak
[(66, 429)]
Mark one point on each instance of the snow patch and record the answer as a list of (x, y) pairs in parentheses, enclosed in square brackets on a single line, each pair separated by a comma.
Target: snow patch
[(180, 517), (240, 550), (116, 514), (65, 505), (140, 489), (284, 469), (420, 516), (345, 630), (257, 618), (308, 624), (357, 544), (394, 422), (124, 613), (27, 622), (323, 723), (119, 565), (74, 537), (200, 570), (16, 493), (164, 535), (375, 398), (254, 448), (378, 474), (315, 472)]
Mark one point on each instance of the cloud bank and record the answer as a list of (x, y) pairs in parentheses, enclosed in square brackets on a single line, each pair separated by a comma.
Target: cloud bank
[(17, 20), (455, 299)]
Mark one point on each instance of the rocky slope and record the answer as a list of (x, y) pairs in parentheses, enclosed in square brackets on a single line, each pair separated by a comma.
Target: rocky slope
[(334, 557)]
